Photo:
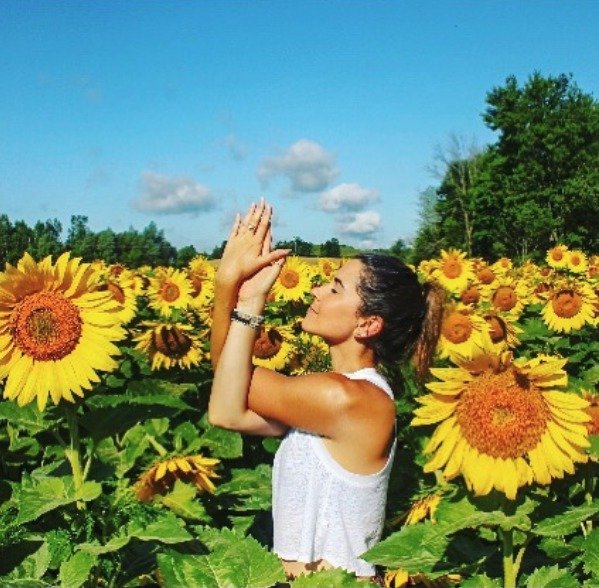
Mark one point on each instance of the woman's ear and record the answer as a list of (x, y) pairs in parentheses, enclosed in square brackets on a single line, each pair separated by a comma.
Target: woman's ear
[(369, 326)]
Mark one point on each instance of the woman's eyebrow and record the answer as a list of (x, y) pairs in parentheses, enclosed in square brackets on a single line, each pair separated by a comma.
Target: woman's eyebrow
[(338, 281)]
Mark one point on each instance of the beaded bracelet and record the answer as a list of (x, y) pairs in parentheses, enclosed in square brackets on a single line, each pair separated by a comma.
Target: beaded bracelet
[(249, 320)]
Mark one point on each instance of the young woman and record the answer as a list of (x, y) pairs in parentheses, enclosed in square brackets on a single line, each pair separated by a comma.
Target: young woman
[(331, 471)]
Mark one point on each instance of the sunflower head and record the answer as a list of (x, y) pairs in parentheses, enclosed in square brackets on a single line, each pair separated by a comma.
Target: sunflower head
[(293, 283), (161, 477), (272, 349), (169, 345), (463, 332), (576, 261), (570, 305), (169, 290), (453, 270), (557, 257), (56, 329), (503, 424)]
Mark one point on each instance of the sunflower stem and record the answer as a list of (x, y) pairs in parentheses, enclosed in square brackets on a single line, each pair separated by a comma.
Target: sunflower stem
[(589, 489), (161, 450), (509, 570), (73, 451)]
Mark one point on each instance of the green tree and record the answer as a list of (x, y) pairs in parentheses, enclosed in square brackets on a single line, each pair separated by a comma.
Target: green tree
[(80, 239), (330, 248), (185, 255), (545, 167), (46, 239)]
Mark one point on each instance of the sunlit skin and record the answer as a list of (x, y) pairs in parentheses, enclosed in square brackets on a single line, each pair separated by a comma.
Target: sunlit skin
[(355, 418)]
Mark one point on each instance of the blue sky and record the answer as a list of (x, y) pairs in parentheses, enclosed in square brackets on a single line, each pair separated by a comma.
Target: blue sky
[(184, 112)]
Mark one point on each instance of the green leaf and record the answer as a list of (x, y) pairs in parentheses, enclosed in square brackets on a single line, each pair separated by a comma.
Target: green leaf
[(534, 328), (252, 486), (590, 548), (27, 418), (481, 582), (565, 523), (34, 566), (75, 571), (557, 548), (50, 493), (236, 561), (183, 501), (221, 442), (415, 548), (551, 577), (594, 448), (328, 578), (167, 529), (153, 386), (114, 400)]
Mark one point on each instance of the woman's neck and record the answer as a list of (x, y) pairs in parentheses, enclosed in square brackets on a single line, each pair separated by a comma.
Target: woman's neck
[(350, 359)]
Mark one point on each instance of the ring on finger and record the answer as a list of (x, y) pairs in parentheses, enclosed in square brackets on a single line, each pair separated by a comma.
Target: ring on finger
[(251, 227)]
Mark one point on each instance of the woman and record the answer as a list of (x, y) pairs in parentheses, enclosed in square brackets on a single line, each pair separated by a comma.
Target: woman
[(331, 471)]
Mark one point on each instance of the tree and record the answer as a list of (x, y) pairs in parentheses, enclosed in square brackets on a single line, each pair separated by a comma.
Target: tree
[(46, 239), (545, 180), (185, 255), (330, 248)]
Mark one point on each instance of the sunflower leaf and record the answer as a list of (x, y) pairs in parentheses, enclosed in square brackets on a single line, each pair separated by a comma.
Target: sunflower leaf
[(31, 569), (415, 548), (39, 498), (551, 577), (252, 486), (234, 561), (590, 547), (75, 571), (481, 582), (27, 418), (183, 501), (328, 578), (221, 442), (565, 523)]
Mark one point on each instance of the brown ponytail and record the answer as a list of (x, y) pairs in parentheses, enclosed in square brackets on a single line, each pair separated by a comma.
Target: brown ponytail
[(435, 296)]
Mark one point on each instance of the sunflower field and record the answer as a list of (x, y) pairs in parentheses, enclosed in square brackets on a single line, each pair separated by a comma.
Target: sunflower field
[(111, 475)]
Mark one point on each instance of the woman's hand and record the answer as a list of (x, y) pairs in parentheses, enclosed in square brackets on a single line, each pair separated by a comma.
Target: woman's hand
[(248, 262)]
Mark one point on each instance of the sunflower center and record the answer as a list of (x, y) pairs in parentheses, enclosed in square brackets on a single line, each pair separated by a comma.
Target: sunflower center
[(557, 254), (505, 298), (456, 327), (452, 267), (470, 296), (497, 328), (172, 342), (502, 416), (46, 326), (574, 259), (268, 344), (567, 303), (486, 276), (289, 279), (170, 292)]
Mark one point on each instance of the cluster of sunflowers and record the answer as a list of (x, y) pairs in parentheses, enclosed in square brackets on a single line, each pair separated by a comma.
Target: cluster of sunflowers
[(500, 422)]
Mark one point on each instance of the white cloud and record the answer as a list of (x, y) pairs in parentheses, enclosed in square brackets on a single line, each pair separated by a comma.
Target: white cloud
[(164, 195), (347, 197), (308, 166), (360, 224)]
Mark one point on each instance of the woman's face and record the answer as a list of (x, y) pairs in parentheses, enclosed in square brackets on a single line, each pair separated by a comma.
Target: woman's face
[(333, 314)]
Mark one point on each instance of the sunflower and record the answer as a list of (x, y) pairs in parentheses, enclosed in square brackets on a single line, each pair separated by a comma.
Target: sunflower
[(272, 348), (503, 331), (508, 296), (557, 257), (310, 354), (501, 423), (463, 332), (169, 345), (426, 268), (201, 275), (169, 289), (471, 295), (161, 477), (485, 275), (402, 579), (569, 306), (327, 267), (502, 266), (122, 290), (55, 332), (593, 410), (418, 511), (293, 282), (453, 270), (576, 261)]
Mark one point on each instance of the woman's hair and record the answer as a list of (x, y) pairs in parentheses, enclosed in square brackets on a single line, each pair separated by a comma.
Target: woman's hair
[(411, 311)]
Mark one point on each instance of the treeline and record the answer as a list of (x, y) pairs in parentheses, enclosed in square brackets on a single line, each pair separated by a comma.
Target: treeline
[(131, 248), (538, 185)]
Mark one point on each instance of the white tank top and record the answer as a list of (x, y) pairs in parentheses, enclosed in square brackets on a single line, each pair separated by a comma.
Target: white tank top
[(320, 509)]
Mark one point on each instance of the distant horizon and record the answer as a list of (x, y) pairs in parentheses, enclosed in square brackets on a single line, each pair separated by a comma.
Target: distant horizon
[(181, 114)]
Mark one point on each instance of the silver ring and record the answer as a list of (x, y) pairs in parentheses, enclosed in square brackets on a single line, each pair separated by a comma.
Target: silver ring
[(251, 227)]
